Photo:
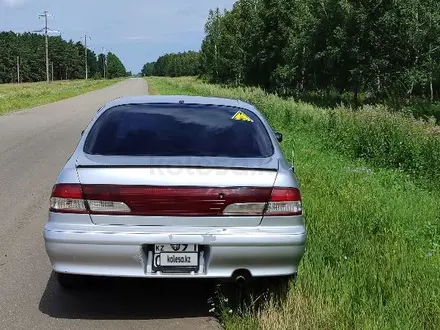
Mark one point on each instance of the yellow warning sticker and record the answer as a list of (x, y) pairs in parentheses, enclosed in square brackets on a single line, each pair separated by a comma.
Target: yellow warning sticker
[(242, 117)]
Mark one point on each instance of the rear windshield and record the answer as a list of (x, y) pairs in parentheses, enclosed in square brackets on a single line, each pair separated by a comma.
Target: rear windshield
[(179, 130)]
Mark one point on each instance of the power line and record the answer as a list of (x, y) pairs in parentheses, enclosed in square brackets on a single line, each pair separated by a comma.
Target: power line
[(46, 30)]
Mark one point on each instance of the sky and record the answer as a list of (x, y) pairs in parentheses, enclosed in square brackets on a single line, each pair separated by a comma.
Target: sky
[(137, 31)]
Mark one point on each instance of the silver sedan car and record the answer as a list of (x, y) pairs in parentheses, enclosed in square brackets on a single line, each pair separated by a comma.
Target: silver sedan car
[(176, 187)]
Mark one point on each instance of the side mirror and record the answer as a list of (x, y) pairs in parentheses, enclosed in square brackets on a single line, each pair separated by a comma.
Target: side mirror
[(279, 136)]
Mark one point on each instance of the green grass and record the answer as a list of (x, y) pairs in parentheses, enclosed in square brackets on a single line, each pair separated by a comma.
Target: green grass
[(373, 252), (15, 97)]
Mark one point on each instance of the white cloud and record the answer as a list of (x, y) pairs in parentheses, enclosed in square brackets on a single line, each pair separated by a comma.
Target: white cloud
[(14, 3)]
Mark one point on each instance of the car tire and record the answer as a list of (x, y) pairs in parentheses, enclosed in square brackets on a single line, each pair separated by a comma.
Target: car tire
[(70, 282)]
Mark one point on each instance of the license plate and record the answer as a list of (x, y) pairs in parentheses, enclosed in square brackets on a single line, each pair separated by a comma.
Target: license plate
[(175, 256)]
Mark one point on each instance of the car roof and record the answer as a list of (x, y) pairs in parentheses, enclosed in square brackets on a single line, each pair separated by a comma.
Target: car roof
[(178, 99)]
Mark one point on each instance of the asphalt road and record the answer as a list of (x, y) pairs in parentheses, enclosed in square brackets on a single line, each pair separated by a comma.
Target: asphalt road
[(34, 144)]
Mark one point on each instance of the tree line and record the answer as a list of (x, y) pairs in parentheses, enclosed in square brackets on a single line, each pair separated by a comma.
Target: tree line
[(370, 50), (174, 65), (375, 48), (66, 57)]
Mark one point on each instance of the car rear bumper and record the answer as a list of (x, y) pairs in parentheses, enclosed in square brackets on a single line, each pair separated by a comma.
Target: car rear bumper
[(110, 251)]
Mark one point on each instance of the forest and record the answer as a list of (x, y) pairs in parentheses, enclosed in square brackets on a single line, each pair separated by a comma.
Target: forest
[(66, 57), (328, 51), (174, 65)]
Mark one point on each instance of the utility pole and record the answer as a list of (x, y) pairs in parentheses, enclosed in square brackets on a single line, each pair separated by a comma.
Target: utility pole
[(18, 69), (47, 43), (46, 30), (85, 46), (103, 50)]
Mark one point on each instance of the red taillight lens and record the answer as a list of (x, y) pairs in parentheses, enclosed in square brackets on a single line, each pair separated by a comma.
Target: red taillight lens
[(67, 191), (285, 194)]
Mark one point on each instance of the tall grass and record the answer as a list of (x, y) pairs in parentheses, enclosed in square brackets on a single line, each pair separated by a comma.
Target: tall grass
[(19, 96), (393, 140), (373, 252)]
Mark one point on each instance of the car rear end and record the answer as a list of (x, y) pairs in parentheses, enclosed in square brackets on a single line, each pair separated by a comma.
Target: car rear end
[(176, 189)]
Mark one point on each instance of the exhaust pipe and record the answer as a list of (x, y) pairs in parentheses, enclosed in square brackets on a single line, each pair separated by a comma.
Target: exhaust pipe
[(240, 279), (241, 276)]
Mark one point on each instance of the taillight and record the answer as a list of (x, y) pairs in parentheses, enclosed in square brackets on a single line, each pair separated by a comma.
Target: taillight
[(69, 198), (284, 201), (174, 201)]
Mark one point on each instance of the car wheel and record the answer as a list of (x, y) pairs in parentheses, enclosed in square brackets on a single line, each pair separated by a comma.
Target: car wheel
[(69, 282)]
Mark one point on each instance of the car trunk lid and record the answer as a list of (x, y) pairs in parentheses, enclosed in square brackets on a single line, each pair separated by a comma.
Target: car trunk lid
[(184, 191)]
